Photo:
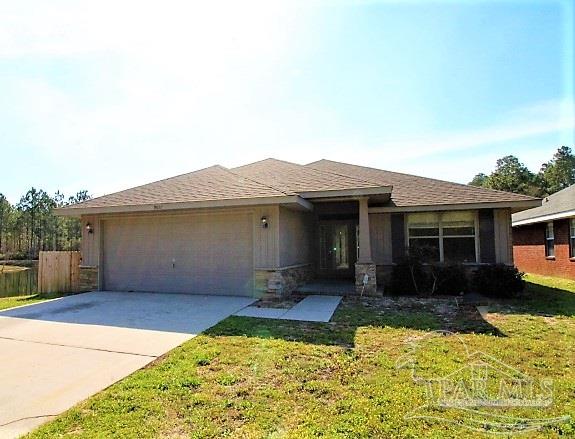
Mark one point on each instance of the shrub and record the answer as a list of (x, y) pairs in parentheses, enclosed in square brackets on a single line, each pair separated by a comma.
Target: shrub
[(450, 279), (409, 277), (498, 280)]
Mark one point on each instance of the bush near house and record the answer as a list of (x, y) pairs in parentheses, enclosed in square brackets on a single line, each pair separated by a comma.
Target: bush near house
[(498, 280), (412, 276)]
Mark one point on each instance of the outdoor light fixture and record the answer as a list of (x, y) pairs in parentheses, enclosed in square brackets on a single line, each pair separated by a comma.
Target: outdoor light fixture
[(89, 228), (265, 223)]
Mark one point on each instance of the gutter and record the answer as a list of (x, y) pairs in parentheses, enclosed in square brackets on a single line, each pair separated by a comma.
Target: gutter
[(293, 200), (544, 218)]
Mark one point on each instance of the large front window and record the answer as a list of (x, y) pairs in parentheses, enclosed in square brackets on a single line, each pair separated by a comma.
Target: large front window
[(443, 236)]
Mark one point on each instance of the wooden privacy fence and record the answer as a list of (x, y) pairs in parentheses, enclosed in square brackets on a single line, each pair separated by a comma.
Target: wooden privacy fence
[(58, 272)]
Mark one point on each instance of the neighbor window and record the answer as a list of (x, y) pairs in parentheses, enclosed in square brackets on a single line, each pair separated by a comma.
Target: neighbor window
[(443, 236), (549, 241), (572, 238)]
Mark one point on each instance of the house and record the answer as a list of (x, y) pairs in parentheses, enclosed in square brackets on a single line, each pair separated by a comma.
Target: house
[(272, 225), (544, 237)]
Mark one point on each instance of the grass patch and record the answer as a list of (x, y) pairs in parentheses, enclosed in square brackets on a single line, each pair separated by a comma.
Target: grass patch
[(15, 301), (255, 378), (11, 302)]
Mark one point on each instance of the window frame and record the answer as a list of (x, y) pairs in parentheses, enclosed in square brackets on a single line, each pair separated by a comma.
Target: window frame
[(572, 238), (441, 235), (549, 237)]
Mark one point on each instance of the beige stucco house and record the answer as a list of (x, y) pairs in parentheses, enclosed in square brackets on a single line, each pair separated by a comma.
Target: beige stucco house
[(271, 225)]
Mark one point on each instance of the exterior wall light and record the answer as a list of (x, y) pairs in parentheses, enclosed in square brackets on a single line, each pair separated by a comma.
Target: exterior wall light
[(89, 228), (264, 221)]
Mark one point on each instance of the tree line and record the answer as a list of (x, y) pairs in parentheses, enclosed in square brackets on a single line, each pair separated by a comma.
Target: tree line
[(511, 175), (31, 225)]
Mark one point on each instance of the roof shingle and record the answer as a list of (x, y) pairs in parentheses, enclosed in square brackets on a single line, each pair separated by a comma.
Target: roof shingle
[(275, 178), (411, 190)]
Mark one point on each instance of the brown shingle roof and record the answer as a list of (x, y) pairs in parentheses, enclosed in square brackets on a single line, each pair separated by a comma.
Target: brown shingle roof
[(293, 179), (275, 178), (411, 190), (213, 183)]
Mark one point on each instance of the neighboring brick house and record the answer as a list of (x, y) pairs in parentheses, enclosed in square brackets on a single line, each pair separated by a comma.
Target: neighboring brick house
[(544, 237)]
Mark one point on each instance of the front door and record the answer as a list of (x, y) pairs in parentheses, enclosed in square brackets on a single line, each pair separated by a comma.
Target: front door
[(337, 249)]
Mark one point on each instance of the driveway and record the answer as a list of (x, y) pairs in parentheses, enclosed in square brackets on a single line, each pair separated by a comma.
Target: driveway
[(56, 354)]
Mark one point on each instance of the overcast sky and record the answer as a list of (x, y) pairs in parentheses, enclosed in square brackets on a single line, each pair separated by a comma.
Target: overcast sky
[(104, 95)]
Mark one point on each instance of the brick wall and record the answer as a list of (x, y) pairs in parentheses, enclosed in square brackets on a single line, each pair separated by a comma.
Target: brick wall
[(529, 250)]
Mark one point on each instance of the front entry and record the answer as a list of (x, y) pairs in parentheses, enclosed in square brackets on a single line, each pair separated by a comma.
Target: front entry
[(337, 249)]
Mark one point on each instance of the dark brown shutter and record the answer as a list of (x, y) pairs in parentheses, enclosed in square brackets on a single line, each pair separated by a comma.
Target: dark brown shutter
[(397, 237), (486, 236)]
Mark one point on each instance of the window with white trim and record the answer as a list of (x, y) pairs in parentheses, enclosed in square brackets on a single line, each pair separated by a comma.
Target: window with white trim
[(572, 238), (549, 240), (444, 236)]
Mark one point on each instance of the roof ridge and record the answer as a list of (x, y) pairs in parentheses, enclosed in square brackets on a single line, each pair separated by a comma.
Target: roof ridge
[(256, 181), (426, 178), (343, 175)]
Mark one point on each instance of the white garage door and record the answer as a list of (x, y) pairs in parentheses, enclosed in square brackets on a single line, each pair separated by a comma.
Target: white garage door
[(200, 254)]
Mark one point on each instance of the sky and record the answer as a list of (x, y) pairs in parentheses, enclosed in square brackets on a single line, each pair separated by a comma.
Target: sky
[(110, 94)]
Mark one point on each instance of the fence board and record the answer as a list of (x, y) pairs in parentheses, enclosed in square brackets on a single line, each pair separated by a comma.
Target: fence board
[(58, 272)]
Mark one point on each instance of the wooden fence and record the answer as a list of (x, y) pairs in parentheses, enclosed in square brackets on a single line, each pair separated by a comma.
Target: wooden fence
[(58, 272)]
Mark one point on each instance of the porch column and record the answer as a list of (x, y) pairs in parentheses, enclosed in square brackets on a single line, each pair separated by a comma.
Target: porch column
[(364, 239), (364, 265)]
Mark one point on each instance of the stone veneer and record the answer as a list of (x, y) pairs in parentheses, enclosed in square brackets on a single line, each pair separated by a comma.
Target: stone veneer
[(360, 270), (88, 279), (281, 282)]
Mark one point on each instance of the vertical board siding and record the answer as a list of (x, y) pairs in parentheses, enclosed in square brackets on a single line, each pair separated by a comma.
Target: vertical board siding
[(397, 236), (503, 245), (90, 244), (296, 232), (58, 272), (266, 240), (377, 235), (487, 236)]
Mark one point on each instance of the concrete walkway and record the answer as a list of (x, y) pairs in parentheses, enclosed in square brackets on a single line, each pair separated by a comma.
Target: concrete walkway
[(310, 309), (58, 353)]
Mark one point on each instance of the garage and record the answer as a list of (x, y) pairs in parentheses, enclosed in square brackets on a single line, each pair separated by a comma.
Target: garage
[(197, 254)]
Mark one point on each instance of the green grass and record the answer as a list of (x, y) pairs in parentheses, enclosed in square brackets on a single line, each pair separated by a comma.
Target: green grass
[(278, 379), (11, 302)]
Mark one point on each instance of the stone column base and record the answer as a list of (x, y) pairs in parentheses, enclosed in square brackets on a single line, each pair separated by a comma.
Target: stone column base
[(361, 269)]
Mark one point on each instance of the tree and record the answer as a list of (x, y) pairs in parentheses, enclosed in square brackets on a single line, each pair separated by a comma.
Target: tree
[(511, 175), (479, 180), (559, 172), (5, 210)]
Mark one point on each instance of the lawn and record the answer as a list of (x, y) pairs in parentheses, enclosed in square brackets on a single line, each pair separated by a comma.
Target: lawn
[(11, 302), (265, 378)]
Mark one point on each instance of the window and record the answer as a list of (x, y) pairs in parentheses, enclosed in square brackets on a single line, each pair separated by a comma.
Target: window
[(549, 241), (443, 236), (572, 238)]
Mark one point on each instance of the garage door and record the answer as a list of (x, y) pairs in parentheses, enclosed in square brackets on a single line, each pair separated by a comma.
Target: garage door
[(199, 254)]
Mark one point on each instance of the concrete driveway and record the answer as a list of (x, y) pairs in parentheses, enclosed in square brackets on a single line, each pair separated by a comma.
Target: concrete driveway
[(56, 354)]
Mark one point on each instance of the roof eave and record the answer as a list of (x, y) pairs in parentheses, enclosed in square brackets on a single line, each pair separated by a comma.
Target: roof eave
[(544, 218), (519, 204), (288, 200), (347, 193)]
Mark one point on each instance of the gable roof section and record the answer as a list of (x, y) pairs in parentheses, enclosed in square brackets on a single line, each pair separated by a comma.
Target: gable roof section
[(559, 205), (292, 178), (411, 190), (209, 184)]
